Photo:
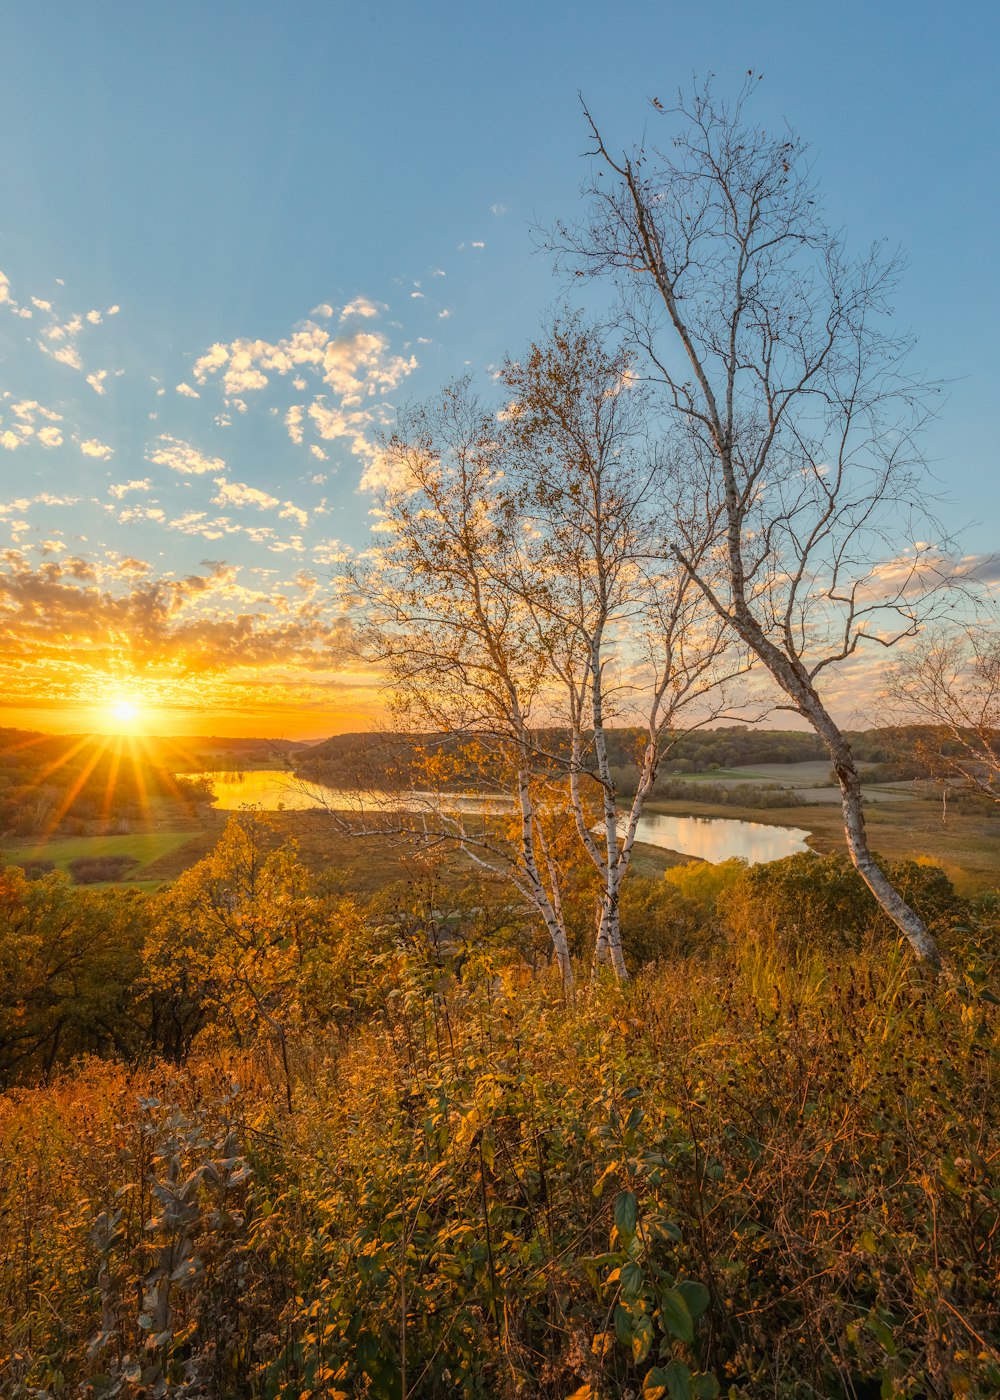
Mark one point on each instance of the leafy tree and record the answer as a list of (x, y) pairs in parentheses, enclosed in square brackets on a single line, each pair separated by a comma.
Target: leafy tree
[(951, 680), (70, 962), (241, 937), (520, 610)]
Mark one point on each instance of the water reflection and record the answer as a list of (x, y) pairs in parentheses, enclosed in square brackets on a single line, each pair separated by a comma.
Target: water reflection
[(710, 838), (273, 789), (721, 838)]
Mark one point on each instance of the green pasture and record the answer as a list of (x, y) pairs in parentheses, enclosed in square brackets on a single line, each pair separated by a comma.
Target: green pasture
[(145, 846)]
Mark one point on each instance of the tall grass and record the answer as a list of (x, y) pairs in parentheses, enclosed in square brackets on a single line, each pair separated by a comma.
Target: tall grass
[(752, 1172)]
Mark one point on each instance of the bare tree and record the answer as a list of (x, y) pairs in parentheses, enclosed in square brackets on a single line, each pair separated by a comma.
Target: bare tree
[(785, 394), (952, 680), (518, 605)]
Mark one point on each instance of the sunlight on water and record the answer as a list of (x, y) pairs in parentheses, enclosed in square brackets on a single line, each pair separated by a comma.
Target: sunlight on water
[(720, 838), (710, 838)]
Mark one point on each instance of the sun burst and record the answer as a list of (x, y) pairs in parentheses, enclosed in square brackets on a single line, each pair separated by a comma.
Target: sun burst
[(127, 713)]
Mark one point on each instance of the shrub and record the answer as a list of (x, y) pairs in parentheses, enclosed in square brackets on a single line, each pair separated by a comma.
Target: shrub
[(811, 901), (91, 870), (702, 881)]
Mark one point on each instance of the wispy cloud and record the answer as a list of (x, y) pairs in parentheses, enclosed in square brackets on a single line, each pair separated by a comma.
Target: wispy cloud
[(181, 457), (360, 306), (122, 488), (235, 493)]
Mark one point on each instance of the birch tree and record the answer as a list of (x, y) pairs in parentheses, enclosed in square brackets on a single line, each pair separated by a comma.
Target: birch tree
[(516, 601), (626, 634), (776, 367), (456, 644)]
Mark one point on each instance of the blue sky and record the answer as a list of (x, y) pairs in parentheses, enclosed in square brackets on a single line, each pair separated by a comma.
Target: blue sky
[(306, 214)]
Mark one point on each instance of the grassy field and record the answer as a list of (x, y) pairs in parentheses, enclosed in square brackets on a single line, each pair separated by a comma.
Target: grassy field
[(147, 847)]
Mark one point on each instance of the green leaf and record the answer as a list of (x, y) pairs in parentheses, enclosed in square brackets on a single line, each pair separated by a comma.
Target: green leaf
[(623, 1325), (675, 1314), (696, 1295), (642, 1338), (626, 1212), (630, 1277), (705, 1386), (678, 1381), (881, 1333), (634, 1119)]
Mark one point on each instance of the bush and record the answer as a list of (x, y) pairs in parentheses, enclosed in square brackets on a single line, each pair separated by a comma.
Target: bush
[(658, 922), (703, 881), (811, 901), (91, 870), (37, 869)]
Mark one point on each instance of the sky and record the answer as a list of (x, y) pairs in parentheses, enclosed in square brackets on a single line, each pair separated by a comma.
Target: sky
[(235, 237)]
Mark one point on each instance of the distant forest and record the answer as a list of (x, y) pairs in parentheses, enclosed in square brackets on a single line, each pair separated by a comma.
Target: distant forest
[(394, 758), (74, 785)]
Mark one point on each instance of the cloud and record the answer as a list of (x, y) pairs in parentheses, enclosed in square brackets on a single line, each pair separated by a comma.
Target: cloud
[(94, 317), (22, 430), (292, 512), (5, 296), (133, 513), (96, 380), (92, 448), (66, 355), (123, 487), (356, 366), (181, 457), (333, 423), (61, 629), (235, 493), (187, 392), (29, 409), (360, 306), (498, 210), (293, 422), (324, 310)]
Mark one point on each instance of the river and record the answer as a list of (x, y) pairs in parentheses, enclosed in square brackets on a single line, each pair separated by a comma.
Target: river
[(709, 838)]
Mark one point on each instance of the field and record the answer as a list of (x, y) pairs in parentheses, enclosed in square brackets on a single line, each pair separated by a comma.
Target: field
[(146, 847)]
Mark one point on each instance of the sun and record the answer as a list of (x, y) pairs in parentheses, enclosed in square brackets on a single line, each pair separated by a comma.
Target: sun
[(126, 711)]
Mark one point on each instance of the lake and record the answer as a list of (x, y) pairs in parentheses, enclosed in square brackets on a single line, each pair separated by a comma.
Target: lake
[(710, 838)]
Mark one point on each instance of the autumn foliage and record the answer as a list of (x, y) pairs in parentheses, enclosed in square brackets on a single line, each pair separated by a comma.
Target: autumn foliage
[(389, 1158)]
